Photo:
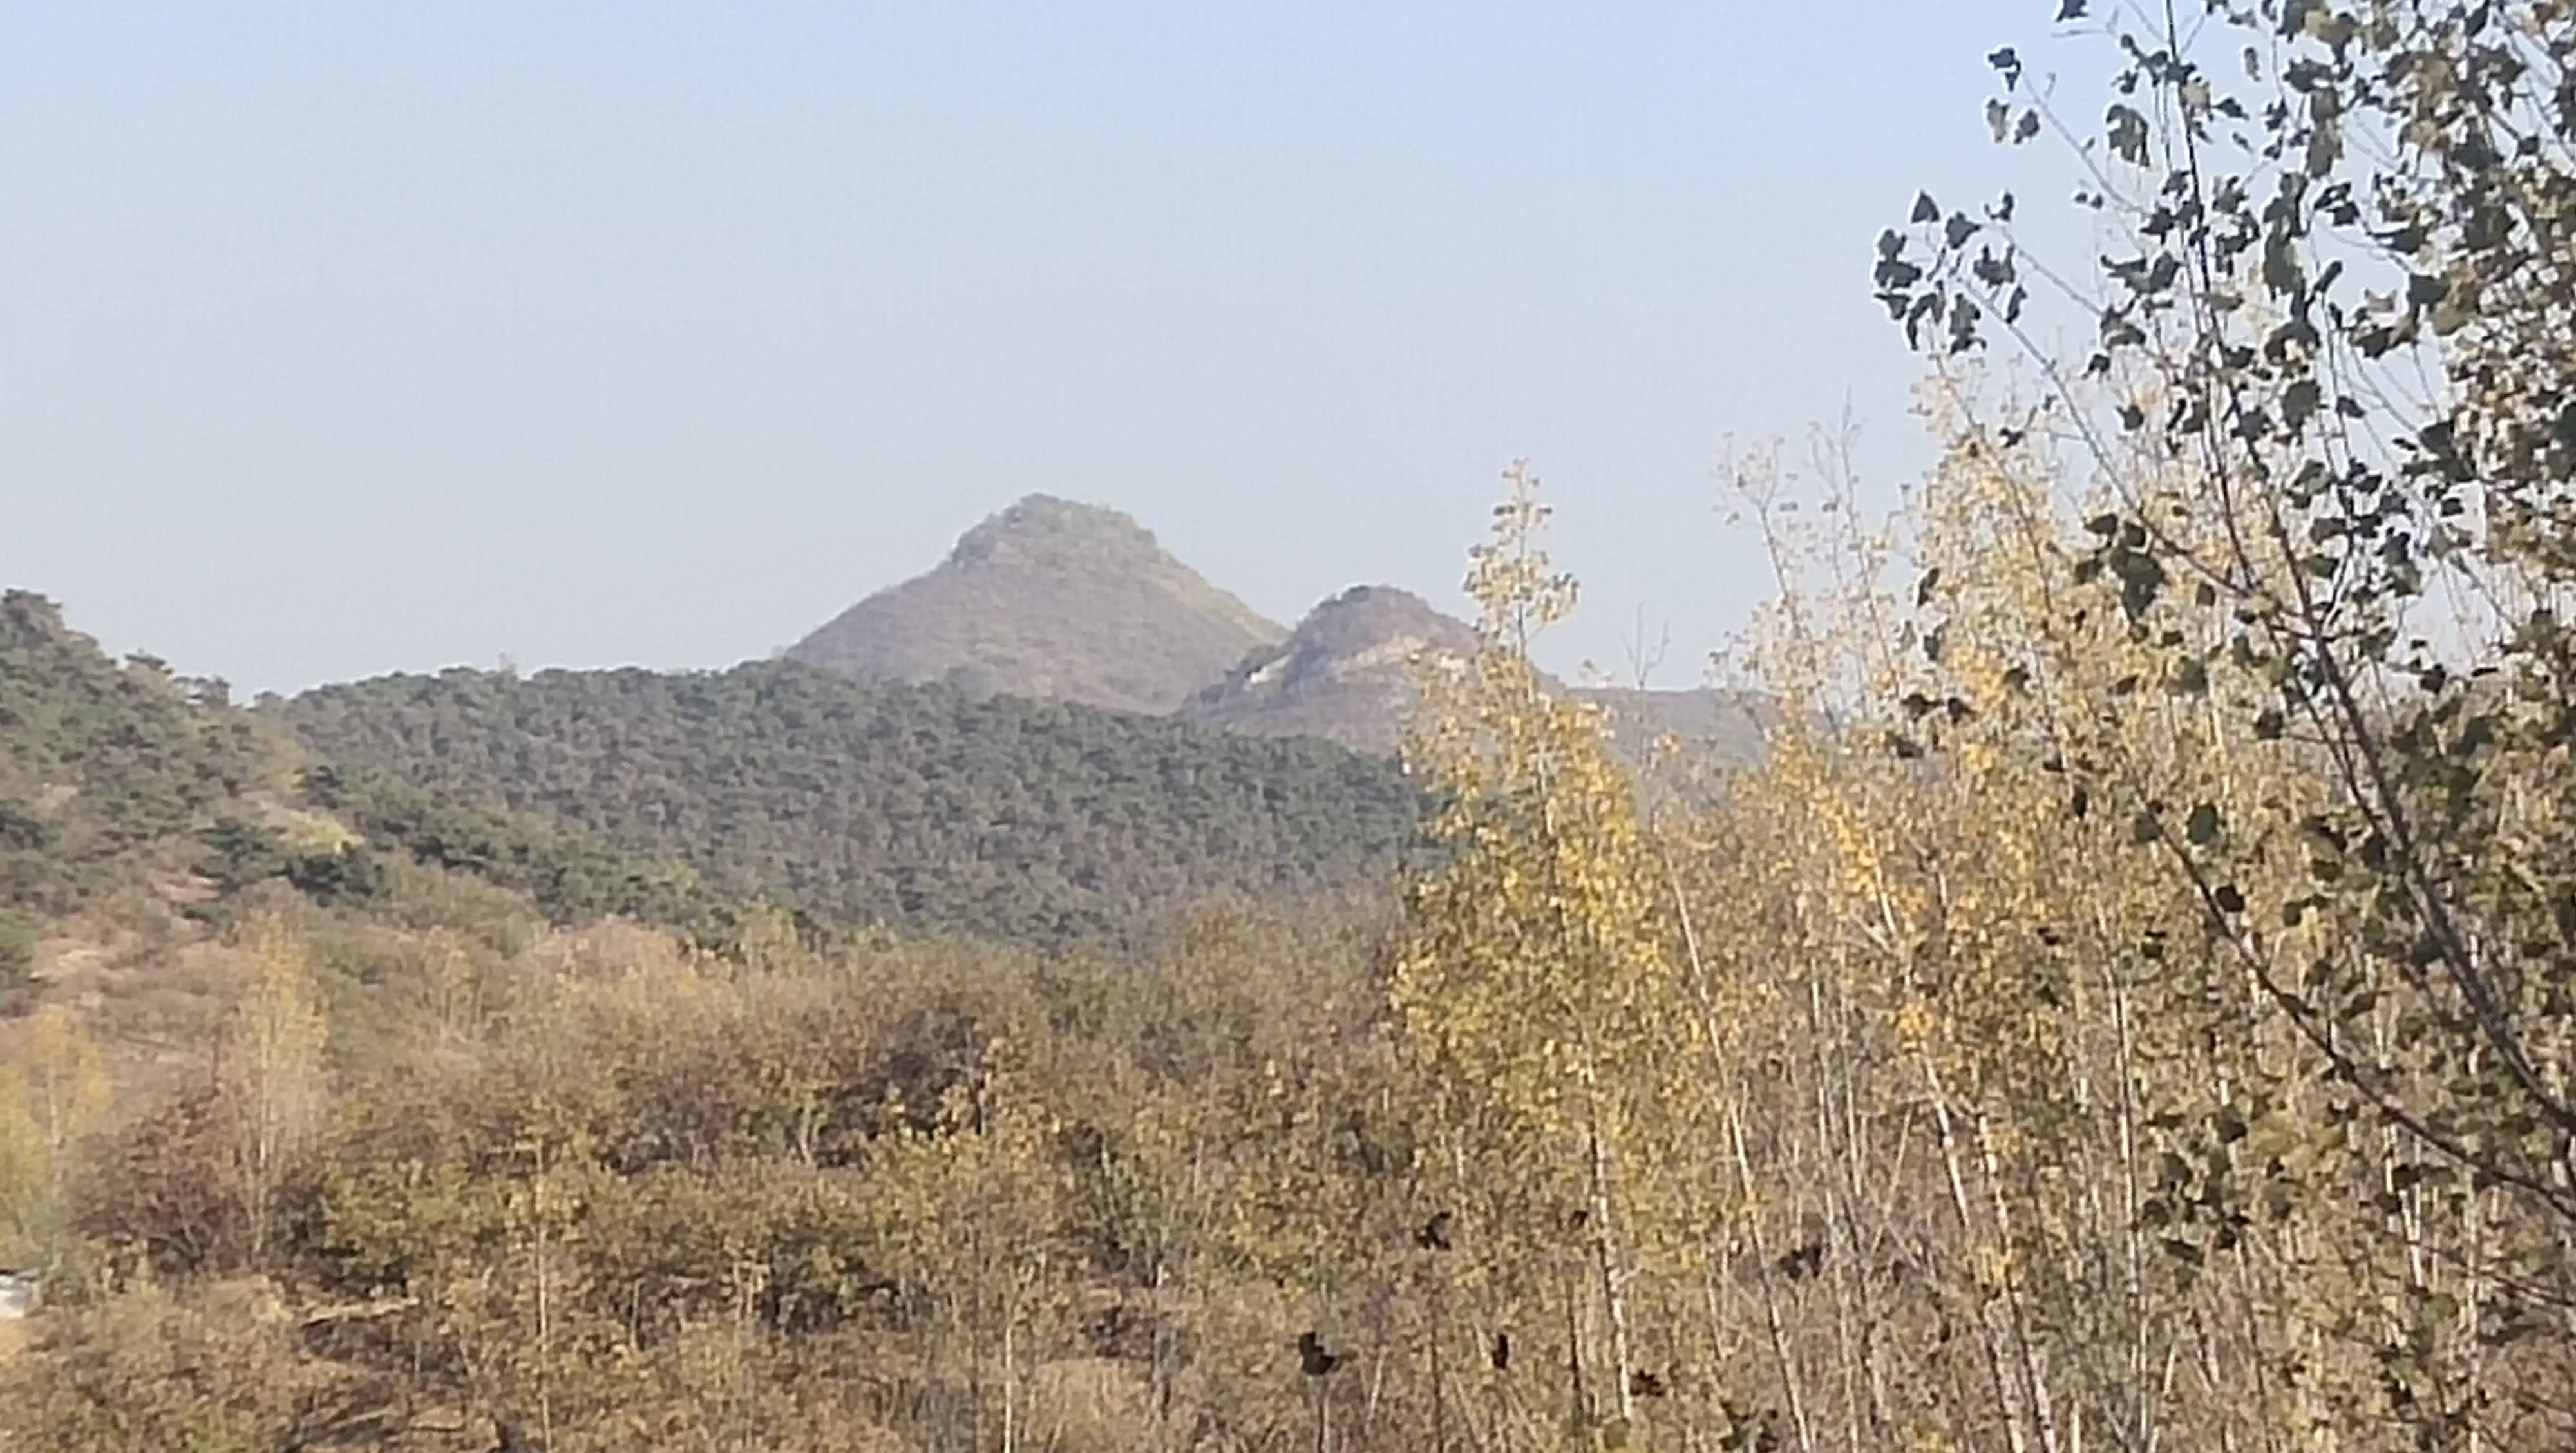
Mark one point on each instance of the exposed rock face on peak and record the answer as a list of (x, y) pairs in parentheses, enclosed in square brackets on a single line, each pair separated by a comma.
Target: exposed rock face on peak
[(1346, 672), (1053, 599)]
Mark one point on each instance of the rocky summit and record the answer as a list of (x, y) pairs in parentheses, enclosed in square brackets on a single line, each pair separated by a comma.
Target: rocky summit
[(1050, 599)]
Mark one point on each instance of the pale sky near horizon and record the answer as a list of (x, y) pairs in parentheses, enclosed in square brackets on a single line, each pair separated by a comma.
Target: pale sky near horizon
[(342, 339)]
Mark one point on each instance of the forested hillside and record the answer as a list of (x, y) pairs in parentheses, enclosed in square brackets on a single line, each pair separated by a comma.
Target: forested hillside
[(100, 761), (908, 805), (129, 793), (116, 779)]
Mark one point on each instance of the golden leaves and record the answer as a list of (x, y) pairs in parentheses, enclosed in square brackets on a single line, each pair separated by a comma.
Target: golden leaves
[(53, 1088)]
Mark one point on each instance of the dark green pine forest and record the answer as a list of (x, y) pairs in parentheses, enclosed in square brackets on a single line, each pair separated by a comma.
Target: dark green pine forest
[(910, 806)]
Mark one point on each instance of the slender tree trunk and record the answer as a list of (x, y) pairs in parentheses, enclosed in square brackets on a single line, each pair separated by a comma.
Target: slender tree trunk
[(1010, 1378), (1439, 1402), (1581, 1408), (1791, 1385), (1614, 1292), (2006, 1405), (545, 1309)]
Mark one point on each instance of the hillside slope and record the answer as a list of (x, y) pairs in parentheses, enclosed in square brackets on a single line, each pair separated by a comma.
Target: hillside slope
[(1048, 599), (105, 766), (127, 788), (146, 822), (915, 806)]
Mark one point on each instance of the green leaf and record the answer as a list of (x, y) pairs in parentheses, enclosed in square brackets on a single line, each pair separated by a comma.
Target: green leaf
[(2127, 129), (2299, 403)]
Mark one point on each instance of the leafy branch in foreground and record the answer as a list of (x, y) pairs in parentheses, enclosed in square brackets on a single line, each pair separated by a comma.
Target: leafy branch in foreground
[(2326, 426)]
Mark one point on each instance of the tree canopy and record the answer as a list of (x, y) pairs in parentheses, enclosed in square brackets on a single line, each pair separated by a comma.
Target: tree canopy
[(914, 806)]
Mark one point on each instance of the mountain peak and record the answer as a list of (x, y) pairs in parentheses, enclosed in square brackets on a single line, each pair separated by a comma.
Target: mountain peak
[(1045, 528), (1049, 598)]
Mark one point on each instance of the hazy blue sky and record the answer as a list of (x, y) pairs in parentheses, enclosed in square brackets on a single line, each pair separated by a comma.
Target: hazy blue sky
[(345, 338)]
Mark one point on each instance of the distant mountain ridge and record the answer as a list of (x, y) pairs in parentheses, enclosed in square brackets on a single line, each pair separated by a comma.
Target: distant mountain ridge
[(1053, 600)]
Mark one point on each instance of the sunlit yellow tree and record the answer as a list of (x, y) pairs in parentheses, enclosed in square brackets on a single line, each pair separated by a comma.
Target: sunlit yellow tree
[(273, 1068), (53, 1087), (1538, 987)]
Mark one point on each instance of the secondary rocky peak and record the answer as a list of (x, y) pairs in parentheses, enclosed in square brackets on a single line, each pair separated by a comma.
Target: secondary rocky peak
[(1351, 671), (1346, 672)]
